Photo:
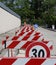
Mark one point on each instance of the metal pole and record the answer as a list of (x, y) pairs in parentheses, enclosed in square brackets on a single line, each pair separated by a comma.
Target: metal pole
[(8, 52), (5, 44)]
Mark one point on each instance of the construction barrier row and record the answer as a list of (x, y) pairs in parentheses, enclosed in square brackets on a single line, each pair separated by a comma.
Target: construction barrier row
[(30, 41)]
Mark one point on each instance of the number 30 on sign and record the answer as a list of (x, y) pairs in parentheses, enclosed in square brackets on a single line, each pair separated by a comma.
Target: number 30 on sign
[(37, 49)]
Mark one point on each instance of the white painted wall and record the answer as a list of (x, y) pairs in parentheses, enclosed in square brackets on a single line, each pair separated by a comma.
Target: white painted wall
[(8, 21)]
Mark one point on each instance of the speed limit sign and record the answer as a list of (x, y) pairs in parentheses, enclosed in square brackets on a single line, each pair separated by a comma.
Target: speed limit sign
[(38, 49)]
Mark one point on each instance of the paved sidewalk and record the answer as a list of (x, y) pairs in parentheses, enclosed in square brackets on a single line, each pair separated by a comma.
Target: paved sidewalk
[(49, 35)]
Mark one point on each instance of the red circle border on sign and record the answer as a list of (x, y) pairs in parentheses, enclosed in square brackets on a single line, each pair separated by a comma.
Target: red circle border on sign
[(37, 43)]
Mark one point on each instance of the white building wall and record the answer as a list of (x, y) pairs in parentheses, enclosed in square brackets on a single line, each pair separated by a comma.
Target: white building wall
[(8, 21)]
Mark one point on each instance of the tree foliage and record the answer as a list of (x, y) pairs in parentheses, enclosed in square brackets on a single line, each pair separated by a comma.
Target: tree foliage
[(34, 9)]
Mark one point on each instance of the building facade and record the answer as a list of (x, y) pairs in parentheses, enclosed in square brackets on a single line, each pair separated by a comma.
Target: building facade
[(8, 19)]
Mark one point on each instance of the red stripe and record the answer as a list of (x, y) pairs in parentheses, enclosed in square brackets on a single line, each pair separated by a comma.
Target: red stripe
[(13, 44), (21, 34), (35, 62), (36, 37), (26, 37), (30, 33), (51, 47), (25, 45), (3, 42), (46, 42), (27, 29), (7, 37), (37, 33), (23, 29), (15, 37), (7, 61)]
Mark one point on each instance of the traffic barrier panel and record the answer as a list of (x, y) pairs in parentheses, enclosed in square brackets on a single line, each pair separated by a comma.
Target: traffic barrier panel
[(28, 61), (26, 45), (23, 35)]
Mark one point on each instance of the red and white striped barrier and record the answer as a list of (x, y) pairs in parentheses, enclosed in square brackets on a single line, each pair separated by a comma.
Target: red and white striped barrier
[(23, 40), (31, 41), (24, 29), (7, 61), (20, 34), (32, 32), (26, 35), (17, 44), (28, 46), (23, 44), (27, 61), (32, 38), (49, 44)]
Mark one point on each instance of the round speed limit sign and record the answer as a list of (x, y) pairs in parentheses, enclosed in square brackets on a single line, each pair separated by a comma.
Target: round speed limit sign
[(38, 49)]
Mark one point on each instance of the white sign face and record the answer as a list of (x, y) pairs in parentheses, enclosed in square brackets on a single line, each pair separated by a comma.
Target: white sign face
[(37, 51)]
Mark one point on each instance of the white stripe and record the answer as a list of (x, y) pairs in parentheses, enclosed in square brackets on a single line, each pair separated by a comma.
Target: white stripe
[(8, 43), (20, 31), (25, 29), (40, 38), (21, 37), (33, 33), (30, 38), (21, 61), (20, 44), (22, 28), (40, 34), (29, 30), (49, 62), (49, 44)]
